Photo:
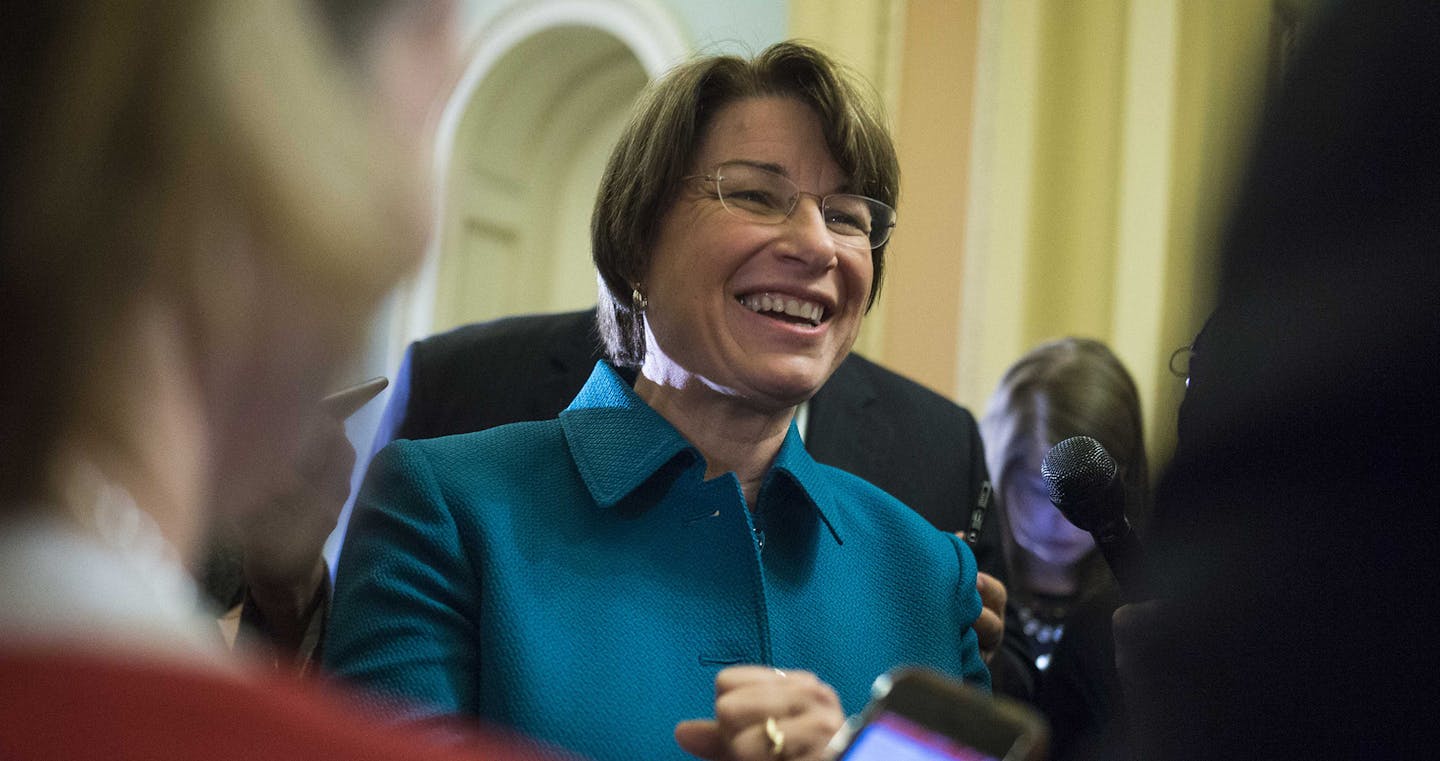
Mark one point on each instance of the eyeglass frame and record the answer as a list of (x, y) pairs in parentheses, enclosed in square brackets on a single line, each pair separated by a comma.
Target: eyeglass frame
[(713, 175)]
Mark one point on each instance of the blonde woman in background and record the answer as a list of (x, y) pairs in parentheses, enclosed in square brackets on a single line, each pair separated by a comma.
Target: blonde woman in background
[(200, 214), (1058, 579)]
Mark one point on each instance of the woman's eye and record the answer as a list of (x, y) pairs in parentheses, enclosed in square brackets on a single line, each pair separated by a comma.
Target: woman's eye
[(758, 198), (840, 221)]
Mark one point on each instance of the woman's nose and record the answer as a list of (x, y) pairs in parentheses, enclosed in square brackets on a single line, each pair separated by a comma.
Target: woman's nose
[(808, 239)]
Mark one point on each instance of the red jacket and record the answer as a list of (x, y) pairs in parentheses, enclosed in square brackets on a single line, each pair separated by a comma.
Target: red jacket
[(66, 705)]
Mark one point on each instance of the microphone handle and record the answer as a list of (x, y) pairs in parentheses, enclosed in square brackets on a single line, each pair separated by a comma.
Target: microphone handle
[(1126, 559)]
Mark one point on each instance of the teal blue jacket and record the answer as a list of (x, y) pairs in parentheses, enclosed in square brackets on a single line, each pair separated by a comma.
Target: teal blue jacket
[(579, 580)]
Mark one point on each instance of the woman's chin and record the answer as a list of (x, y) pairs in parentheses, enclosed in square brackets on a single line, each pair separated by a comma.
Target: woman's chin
[(1066, 555), (788, 389)]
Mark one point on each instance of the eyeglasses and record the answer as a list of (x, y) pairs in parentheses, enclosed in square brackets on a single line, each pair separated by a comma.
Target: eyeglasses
[(761, 195), (1180, 362)]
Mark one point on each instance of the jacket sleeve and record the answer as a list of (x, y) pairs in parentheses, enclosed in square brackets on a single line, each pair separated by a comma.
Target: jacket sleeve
[(406, 596), (1012, 670), (973, 668)]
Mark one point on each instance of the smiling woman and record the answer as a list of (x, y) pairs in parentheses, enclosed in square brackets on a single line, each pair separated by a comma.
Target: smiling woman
[(721, 346), (588, 579)]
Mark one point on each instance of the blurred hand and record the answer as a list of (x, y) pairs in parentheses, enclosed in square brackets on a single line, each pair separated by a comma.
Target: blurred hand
[(282, 537), (1152, 678), (990, 626), (1141, 631), (805, 711)]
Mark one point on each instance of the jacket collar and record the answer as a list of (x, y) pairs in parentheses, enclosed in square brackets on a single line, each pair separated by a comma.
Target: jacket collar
[(618, 442)]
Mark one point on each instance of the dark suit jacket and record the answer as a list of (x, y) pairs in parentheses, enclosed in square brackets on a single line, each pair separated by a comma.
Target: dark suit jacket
[(922, 448)]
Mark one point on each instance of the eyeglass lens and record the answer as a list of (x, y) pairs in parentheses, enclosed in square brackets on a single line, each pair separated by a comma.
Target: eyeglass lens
[(765, 196)]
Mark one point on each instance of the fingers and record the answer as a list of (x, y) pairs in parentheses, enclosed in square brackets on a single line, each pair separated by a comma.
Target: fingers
[(320, 477), (802, 714), (332, 481), (1145, 635), (325, 450), (993, 594), (1139, 629), (701, 738), (284, 532), (747, 695), (794, 738), (989, 634), (990, 626), (736, 677)]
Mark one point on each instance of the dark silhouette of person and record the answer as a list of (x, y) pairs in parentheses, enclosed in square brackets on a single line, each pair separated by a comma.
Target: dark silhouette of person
[(1296, 521)]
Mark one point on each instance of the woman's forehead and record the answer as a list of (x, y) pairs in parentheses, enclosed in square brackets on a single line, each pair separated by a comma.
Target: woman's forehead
[(775, 132)]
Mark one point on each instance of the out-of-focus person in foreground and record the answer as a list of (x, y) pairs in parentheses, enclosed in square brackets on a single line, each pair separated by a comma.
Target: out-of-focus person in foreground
[(201, 211), (1294, 532), (263, 564), (589, 579)]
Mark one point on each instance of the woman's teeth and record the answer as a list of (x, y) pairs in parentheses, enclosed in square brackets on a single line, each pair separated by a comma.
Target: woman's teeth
[(808, 311)]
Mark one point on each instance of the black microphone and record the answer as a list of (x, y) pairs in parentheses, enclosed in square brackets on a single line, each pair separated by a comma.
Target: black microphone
[(1084, 485)]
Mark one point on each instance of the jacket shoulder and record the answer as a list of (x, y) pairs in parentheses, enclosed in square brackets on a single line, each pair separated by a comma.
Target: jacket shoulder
[(899, 395), (487, 374), (511, 338)]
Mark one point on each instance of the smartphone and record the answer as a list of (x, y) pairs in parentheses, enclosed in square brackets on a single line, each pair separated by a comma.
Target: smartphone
[(919, 715), (345, 402)]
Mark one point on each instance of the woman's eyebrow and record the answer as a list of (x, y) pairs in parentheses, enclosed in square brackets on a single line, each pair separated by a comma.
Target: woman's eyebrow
[(776, 168), (845, 187)]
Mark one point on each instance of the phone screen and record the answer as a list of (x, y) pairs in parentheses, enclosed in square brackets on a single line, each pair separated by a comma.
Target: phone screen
[(891, 737)]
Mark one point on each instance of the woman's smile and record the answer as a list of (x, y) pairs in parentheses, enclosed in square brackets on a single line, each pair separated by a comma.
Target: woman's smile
[(795, 310)]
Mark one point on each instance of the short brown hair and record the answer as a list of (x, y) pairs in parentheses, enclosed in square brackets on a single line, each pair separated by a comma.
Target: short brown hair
[(659, 144)]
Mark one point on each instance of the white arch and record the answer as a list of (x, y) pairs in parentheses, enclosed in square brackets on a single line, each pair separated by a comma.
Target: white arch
[(647, 28)]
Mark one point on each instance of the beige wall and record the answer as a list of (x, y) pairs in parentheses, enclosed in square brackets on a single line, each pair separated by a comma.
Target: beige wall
[(1125, 147), (933, 132), (1066, 166)]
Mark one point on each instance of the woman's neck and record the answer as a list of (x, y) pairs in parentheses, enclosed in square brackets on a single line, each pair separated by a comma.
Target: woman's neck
[(732, 435), (140, 427)]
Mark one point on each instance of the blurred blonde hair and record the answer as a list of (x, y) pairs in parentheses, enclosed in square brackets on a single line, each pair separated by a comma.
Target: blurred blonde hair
[(1063, 388), (141, 136)]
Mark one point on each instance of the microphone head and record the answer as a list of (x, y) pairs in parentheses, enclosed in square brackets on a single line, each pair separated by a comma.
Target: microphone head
[(1080, 476)]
